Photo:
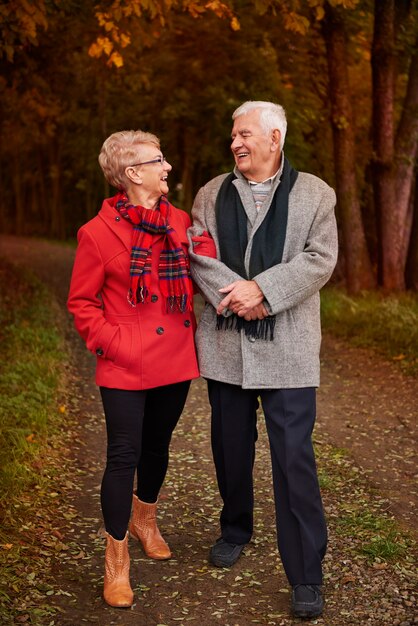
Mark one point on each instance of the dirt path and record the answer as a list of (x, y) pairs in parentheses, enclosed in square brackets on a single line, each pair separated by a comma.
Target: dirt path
[(364, 406), (368, 407)]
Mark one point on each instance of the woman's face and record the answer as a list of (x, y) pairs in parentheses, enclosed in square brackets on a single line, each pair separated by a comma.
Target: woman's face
[(152, 170)]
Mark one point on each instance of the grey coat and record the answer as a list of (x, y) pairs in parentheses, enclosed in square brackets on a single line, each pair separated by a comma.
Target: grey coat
[(291, 289)]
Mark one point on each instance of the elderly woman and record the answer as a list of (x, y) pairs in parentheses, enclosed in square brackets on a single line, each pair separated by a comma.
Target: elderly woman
[(131, 296)]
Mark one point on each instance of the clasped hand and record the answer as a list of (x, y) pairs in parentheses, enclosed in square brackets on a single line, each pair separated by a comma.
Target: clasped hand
[(245, 299)]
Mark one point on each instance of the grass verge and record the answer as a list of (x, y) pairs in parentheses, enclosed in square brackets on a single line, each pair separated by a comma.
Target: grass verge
[(360, 516), (386, 323), (381, 538), (31, 382)]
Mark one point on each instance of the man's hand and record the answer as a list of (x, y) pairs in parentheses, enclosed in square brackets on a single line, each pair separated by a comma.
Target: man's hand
[(243, 295), (259, 312)]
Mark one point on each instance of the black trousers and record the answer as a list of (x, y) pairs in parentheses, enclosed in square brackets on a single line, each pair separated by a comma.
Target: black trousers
[(139, 426), (290, 417)]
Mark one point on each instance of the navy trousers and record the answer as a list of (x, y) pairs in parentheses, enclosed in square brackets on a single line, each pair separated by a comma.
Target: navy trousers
[(290, 418)]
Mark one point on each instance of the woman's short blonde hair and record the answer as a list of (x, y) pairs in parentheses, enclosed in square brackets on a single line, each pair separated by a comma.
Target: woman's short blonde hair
[(121, 150)]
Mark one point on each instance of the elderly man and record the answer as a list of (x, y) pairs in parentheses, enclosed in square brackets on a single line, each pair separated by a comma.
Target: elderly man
[(259, 337)]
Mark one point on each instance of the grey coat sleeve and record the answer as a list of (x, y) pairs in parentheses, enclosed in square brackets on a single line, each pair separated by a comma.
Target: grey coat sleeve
[(209, 274), (288, 284)]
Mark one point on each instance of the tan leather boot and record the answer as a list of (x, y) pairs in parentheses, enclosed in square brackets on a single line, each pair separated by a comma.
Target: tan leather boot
[(143, 526), (117, 589)]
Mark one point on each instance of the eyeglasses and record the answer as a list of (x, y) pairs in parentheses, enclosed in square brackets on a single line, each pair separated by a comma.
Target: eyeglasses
[(159, 159)]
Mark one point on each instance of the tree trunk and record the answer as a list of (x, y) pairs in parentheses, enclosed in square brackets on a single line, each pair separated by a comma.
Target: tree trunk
[(390, 225), (42, 191), (187, 184), (411, 274), (359, 274), (57, 224), (406, 152), (17, 182), (4, 204), (186, 152), (102, 100)]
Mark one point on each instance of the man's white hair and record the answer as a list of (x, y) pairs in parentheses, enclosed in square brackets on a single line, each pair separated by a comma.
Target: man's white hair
[(272, 116)]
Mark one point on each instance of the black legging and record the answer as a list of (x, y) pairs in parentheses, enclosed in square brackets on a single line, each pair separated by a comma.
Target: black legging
[(139, 426)]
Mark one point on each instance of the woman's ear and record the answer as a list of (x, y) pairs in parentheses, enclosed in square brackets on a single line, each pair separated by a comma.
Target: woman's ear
[(133, 175)]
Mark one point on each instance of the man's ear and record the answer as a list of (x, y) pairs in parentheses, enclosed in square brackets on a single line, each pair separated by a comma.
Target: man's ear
[(275, 140)]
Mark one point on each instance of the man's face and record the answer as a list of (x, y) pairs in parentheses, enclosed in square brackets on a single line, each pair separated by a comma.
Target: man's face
[(255, 151)]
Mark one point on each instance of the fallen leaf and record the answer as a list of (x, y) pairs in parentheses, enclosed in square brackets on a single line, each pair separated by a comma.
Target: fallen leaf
[(349, 578)]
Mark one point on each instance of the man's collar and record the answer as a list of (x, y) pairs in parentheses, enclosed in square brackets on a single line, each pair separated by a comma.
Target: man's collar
[(270, 179), (263, 182)]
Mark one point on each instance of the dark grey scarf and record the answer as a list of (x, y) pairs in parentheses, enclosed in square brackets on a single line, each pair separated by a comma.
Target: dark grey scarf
[(268, 243)]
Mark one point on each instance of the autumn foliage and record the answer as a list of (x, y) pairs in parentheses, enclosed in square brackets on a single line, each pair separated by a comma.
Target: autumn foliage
[(72, 72)]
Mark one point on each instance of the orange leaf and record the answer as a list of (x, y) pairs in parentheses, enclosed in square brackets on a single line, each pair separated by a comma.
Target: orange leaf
[(235, 25), (349, 578)]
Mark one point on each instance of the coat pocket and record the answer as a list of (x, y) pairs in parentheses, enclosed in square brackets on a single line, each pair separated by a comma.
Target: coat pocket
[(123, 356)]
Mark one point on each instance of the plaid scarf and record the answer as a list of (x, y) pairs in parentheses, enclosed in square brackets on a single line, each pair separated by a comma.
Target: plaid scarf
[(173, 267)]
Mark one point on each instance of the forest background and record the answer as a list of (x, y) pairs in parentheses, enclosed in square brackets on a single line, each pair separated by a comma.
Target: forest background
[(346, 71), (74, 71)]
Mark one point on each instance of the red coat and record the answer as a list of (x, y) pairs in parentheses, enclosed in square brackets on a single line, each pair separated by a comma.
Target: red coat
[(136, 347)]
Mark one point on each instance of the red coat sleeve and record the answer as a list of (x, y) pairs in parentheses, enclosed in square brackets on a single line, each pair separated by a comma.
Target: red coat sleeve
[(84, 300)]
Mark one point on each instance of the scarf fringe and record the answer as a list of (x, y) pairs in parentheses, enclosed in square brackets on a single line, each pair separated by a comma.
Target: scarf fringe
[(174, 304), (257, 329), (179, 304), (137, 294)]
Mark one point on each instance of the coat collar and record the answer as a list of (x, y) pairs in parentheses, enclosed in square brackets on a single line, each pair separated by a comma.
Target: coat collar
[(244, 189), (121, 227)]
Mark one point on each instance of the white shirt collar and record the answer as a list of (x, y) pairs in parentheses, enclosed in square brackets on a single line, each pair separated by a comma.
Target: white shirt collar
[(271, 179), (263, 182)]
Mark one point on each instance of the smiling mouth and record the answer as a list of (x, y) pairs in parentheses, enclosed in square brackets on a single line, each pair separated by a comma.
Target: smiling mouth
[(164, 178), (242, 155)]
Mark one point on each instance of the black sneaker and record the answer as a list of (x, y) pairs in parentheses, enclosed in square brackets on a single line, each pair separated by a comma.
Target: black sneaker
[(307, 600), (224, 554)]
